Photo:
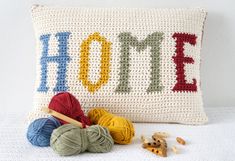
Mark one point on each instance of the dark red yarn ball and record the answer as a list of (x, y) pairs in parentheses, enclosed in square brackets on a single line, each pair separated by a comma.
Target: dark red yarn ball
[(68, 105)]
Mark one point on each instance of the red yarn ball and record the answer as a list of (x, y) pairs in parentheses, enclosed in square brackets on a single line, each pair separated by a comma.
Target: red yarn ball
[(68, 105)]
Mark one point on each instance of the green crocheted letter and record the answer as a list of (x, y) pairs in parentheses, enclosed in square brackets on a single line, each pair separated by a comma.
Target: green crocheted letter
[(127, 40)]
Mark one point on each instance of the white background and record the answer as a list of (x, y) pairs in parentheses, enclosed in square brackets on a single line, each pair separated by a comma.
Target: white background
[(17, 51)]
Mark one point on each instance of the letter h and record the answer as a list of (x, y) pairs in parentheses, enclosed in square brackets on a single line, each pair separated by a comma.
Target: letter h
[(61, 59)]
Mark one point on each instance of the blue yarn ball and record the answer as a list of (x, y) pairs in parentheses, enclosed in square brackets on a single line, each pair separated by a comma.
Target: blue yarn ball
[(40, 130)]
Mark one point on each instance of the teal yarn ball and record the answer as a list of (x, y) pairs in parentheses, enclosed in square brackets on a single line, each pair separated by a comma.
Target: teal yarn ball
[(40, 130), (71, 140)]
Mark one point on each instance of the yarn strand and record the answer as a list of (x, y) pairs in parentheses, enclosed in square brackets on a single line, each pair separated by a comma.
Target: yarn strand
[(121, 129)]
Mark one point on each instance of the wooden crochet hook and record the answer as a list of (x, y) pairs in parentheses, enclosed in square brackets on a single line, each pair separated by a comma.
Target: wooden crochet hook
[(62, 117)]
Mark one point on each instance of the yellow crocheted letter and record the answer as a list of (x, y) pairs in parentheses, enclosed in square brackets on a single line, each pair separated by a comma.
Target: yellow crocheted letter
[(105, 62)]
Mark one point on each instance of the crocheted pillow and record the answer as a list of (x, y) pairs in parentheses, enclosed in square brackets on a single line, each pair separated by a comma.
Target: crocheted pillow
[(142, 64)]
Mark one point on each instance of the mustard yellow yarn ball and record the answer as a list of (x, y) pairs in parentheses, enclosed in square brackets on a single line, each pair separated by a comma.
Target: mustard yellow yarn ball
[(121, 129), (95, 114)]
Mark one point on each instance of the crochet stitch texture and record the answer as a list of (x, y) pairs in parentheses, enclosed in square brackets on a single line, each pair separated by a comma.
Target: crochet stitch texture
[(142, 64)]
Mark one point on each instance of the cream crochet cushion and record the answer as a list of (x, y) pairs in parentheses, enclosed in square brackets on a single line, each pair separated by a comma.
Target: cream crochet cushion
[(142, 64)]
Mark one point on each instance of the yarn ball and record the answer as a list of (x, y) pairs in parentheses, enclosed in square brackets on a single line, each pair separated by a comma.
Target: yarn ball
[(68, 105), (71, 140), (40, 130), (121, 129)]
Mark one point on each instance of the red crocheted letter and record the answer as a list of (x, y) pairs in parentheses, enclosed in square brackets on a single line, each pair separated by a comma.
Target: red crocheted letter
[(180, 60)]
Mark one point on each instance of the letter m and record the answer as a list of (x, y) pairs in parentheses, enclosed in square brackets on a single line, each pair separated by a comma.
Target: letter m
[(127, 40)]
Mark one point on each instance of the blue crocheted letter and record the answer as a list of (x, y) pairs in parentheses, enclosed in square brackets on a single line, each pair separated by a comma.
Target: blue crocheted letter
[(61, 59)]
